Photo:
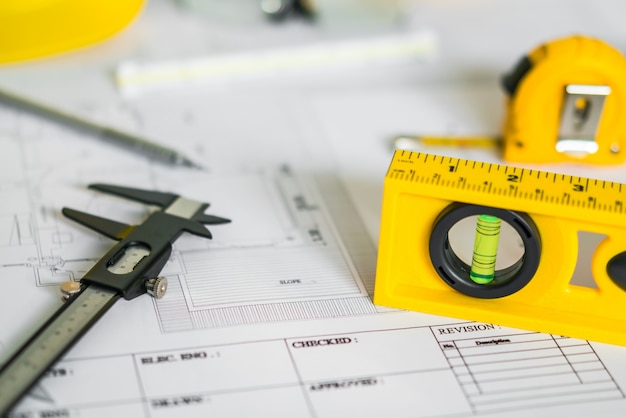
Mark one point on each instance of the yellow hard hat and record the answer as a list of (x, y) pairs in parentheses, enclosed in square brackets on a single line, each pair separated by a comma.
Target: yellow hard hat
[(32, 29)]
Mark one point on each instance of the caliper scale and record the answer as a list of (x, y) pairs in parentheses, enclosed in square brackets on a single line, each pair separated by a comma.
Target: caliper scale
[(130, 269)]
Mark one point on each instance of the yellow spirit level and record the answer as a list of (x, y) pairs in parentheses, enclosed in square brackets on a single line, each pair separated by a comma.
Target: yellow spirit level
[(426, 196), (567, 102)]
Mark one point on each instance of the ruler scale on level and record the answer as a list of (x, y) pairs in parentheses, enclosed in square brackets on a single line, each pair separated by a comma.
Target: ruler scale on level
[(515, 187), (426, 195)]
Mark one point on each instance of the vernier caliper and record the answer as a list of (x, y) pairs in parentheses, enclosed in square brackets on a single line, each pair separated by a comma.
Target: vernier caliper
[(130, 269)]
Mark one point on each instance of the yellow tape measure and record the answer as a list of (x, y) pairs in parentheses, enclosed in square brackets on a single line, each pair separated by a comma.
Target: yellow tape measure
[(567, 102), (419, 267)]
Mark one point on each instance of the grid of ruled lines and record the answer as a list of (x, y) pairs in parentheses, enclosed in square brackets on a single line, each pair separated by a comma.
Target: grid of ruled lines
[(505, 372), (264, 274), (247, 285)]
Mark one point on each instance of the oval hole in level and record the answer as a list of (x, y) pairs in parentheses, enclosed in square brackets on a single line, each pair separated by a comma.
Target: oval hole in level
[(587, 244)]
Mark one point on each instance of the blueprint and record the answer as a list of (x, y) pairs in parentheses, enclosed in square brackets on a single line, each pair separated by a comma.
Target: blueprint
[(274, 315), (275, 312)]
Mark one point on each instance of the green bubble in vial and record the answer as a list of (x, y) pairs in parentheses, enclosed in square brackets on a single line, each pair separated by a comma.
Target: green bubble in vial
[(483, 267)]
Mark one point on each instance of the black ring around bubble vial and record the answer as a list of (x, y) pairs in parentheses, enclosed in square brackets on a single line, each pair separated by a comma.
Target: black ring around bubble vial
[(456, 273), (616, 269)]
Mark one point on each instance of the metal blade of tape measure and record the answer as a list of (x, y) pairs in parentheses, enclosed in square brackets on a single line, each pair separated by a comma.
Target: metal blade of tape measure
[(52, 341)]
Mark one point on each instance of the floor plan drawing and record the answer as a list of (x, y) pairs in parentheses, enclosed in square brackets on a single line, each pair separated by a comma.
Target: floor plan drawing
[(299, 268), (275, 312)]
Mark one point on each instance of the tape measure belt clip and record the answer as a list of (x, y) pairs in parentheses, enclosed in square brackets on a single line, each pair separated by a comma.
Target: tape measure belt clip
[(580, 118), (456, 273)]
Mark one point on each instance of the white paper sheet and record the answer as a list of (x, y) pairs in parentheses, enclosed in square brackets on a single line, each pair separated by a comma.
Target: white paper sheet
[(273, 316)]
